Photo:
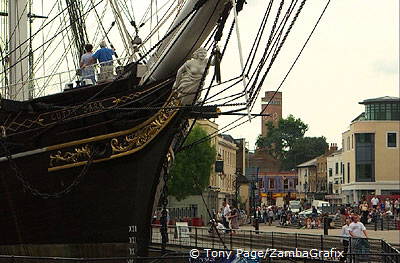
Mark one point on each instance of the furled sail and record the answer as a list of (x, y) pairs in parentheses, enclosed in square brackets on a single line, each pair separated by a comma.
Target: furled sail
[(187, 38)]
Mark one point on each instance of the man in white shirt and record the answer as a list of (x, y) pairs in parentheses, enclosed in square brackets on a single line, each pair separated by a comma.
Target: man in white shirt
[(374, 202), (359, 242), (388, 205), (226, 212), (357, 229)]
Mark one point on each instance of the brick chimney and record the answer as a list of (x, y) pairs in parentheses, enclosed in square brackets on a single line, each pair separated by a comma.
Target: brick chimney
[(333, 148)]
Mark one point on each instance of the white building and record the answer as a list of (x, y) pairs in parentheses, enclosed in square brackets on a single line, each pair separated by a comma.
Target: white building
[(306, 174), (334, 175)]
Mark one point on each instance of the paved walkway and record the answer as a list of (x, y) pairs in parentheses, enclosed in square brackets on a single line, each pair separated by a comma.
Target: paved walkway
[(391, 236)]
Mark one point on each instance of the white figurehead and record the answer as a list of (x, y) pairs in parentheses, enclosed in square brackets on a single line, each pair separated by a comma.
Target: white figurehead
[(189, 76)]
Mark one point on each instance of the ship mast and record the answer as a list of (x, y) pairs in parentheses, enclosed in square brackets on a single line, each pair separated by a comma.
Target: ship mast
[(19, 50), (4, 47), (78, 26), (125, 36)]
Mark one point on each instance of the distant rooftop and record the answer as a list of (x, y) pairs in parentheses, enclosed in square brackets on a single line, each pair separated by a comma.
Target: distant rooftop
[(360, 117), (227, 137), (309, 163), (381, 99)]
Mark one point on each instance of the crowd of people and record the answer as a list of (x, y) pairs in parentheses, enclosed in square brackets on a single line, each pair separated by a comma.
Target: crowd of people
[(354, 232), (227, 219), (372, 211)]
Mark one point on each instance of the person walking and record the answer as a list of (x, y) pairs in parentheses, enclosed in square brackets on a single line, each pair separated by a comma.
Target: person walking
[(270, 216), (234, 219), (396, 206), (374, 202), (257, 218), (388, 205), (359, 240), (225, 215), (364, 212), (105, 57), (86, 64), (314, 213), (265, 215), (345, 238)]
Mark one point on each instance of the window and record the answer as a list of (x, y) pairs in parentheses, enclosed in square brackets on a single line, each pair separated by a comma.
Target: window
[(391, 139), (364, 137), (365, 157), (261, 182), (348, 173), (271, 183), (348, 143), (330, 172), (336, 168), (382, 111), (343, 175), (364, 172), (285, 184), (352, 139), (341, 168)]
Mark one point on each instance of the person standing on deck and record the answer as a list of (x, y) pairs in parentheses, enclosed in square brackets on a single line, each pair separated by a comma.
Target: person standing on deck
[(105, 56), (86, 64)]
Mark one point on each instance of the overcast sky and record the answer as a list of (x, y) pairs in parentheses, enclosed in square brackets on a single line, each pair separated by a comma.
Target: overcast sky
[(352, 56)]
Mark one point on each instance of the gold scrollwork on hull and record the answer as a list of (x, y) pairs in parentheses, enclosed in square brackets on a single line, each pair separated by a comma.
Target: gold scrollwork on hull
[(142, 136), (77, 155), (121, 145)]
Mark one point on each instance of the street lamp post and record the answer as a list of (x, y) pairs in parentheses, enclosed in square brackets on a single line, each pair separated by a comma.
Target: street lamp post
[(305, 190), (237, 186), (255, 201)]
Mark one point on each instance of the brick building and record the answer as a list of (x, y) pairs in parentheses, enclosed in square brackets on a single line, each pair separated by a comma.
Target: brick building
[(274, 109)]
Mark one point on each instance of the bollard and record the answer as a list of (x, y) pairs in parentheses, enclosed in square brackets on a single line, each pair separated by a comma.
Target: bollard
[(326, 225)]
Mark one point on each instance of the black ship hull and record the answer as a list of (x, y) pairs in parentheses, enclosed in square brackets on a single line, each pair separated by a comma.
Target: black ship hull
[(107, 184)]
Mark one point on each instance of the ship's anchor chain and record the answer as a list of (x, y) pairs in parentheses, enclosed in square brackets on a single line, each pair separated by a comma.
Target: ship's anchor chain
[(164, 201), (164, 213), (36, 192)]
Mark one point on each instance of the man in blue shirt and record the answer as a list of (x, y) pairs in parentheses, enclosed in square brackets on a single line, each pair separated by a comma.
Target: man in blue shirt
[(105, 56)]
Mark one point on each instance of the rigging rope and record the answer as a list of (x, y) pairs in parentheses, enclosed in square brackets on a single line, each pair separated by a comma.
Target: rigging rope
[(279, 48), (21, 59), (225, 128)]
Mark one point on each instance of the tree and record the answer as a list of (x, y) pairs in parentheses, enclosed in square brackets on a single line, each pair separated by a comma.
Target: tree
[(304, 149), (190, 173), (287, 143)]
